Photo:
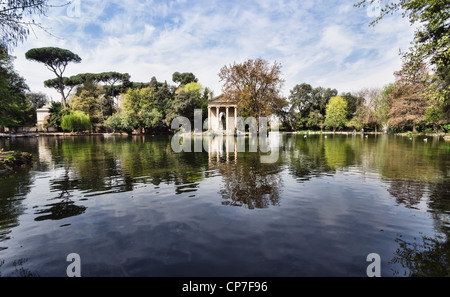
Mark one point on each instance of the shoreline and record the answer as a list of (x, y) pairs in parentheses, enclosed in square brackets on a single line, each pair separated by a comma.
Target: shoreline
[(62, 134)]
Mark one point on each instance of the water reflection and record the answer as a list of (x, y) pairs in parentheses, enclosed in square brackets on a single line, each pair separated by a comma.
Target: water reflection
[(13, 190), (407, 192), (425, 257), (411, 173), (65, 207), (246, 182)]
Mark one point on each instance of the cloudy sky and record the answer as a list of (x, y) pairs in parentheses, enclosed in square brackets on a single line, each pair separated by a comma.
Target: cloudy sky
[(326, 43)]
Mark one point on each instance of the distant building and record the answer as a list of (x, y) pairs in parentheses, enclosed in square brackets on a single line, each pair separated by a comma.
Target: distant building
[(42, 115)]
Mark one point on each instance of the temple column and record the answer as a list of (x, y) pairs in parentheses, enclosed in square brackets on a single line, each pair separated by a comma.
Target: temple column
[(209, 118), (226, 120), (218, 118), (235, 117)]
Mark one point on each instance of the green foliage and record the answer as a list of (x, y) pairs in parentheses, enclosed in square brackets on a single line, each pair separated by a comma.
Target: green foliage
[(354, 102), (37, 100), (306, 104), (15, 109), (56, 114), (184, 78), (336, 113), (122, 122), (430, 45), (381, 103), (56, 59), (76, 121), (151, 120), (16, 19), (53, 57), (184, 105), (315, 119), (89, 99), (138, 100)]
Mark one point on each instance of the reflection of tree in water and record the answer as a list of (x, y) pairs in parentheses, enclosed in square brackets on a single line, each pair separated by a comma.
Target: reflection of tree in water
[(407, 192), (431, 258), (13, 189), (151, 160), (65, 207), (439, 205), (247, 182), (307, 157), (19, 270)]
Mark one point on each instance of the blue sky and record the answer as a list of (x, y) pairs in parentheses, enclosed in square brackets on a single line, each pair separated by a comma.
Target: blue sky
[(324, 43)]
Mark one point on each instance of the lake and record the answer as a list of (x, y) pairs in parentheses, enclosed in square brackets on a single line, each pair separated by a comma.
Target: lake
[(131, 206)]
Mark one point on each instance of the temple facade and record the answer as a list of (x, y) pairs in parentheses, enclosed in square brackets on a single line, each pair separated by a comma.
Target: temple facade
[(222, 114)]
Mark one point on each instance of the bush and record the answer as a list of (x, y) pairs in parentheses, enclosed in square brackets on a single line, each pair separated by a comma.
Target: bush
[(122, 122), (77, 121)]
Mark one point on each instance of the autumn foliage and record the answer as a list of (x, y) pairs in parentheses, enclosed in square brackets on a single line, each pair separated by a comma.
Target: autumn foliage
[(408, 101), (257, 84)]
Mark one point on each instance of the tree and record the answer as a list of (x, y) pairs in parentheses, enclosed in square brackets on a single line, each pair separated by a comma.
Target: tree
[(354, 103), (305, 101), (315, 119), (57, 112), (186, 100), (110, 79), (56, 60), (381, 104), (126, 83), (89, 103), (430, 45), (76, 121), (15, 109), (336, 113), (137, 100), (122, 122), (256, 85), (184, 78), (408, 102), (37, 100), (15, 20), (365, 114)]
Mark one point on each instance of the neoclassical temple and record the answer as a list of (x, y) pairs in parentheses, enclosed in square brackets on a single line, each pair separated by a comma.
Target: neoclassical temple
[(222, 114)]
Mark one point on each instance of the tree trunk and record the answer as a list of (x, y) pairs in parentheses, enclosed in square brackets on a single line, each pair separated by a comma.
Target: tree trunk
[(61, 90), (414, 128)]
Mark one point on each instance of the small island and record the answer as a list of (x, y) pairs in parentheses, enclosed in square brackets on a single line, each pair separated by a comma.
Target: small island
[(13, 160)]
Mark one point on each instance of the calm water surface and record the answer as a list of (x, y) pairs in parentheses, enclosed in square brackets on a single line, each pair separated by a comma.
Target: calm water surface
[(130, 206)]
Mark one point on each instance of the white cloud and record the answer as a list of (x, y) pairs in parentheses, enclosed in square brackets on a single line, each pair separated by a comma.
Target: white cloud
[(319, 42)]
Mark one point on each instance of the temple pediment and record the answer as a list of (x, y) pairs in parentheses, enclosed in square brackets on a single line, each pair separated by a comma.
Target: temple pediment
[(221, 101)]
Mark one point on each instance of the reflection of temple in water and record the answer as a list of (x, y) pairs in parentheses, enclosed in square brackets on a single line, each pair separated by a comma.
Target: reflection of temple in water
[(222, 147), (246, 181)]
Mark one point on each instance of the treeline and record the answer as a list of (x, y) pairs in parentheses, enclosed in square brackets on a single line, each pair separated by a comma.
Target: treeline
[(113, 103), (17, 104), (408, 104)]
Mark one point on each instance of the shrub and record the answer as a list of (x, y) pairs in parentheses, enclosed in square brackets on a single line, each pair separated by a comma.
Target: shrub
[(122, 122), (76, 121)]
